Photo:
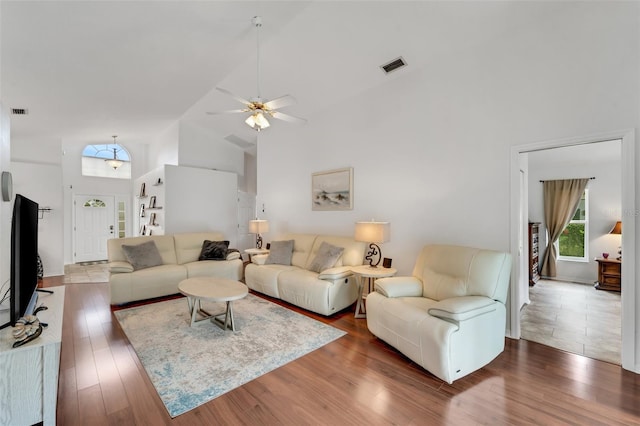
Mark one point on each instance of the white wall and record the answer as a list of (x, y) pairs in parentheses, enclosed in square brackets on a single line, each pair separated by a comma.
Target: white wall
[(199, 147), (5, 206), (604, 207), (164, 150), (199, 199), (42, 183), (430, 150), (249, 181)]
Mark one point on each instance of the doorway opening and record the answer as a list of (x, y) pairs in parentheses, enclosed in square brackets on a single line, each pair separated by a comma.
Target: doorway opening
[(519, 289)]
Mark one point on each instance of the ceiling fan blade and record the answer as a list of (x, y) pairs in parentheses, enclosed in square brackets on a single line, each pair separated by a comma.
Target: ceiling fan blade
[(287, 117), (236, 97), (232, 111), (280, 102)]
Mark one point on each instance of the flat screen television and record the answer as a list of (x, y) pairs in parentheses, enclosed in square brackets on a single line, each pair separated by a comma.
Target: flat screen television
[(24, 258)]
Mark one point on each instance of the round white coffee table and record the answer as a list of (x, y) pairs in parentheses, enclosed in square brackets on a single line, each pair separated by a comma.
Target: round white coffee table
[(214, 290), (370, 274)]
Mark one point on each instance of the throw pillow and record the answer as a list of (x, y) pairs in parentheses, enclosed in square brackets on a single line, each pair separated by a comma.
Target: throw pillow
[(143, 255), (233, 254), (214, 250), (326, 257), (280, 253)]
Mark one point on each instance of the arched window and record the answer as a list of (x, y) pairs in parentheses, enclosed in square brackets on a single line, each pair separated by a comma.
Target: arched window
[(94, 161), (95, 203)]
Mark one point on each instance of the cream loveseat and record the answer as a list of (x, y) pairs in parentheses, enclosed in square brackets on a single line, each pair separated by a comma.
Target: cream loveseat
[(179, 253), (450, 316), (325, 292)]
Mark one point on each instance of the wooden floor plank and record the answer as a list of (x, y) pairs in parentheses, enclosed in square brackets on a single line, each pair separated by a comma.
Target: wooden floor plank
[(356, 379)]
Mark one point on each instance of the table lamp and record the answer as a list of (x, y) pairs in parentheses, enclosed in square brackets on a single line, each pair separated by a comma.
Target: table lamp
[(373, 233), (258, 226), (617, 230)]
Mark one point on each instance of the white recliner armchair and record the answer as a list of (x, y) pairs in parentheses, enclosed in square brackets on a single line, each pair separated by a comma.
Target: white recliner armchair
[(450, 316)]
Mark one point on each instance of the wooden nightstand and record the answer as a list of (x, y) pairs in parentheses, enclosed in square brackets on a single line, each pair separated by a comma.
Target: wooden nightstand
[(609, 274)]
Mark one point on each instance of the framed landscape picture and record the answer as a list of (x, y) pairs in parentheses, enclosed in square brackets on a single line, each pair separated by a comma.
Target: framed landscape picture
[(332, 190)]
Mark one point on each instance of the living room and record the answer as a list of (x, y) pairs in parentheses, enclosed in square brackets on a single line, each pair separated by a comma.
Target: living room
[(430, 145)]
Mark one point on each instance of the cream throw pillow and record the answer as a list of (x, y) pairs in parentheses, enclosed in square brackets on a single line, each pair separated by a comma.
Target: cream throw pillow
[(327, 256), (143, 255), (280, 253)]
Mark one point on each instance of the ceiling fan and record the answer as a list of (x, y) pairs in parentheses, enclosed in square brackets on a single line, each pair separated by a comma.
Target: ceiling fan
[(260, 109)]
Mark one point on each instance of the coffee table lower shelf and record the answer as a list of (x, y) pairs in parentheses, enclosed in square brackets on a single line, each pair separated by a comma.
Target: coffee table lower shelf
[(212, 289), (198, 314)]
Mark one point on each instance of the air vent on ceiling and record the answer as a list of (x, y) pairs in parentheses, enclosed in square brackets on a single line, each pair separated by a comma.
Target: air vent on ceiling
[(393, 65), (19, 111)]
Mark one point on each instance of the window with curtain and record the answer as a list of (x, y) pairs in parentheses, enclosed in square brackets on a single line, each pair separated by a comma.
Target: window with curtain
[(573, 243)]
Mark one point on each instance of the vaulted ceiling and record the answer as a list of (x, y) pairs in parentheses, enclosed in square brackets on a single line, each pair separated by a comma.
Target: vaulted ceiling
[(86, 70)]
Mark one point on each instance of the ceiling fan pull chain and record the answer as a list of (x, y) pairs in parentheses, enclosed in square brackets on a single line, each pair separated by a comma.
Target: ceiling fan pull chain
[(257, 21)]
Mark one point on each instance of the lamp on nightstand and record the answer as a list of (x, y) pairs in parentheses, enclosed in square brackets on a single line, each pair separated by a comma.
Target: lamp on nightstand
[(258, 226), (373, 233), (617, 230)]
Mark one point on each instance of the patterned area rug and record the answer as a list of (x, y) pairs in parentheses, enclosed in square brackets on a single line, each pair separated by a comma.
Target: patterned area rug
[(190, 366)]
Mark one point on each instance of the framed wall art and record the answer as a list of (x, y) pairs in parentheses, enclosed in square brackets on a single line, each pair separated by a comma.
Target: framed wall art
[(332, 190)]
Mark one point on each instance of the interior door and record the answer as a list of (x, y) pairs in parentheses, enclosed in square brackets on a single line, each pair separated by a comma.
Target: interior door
[(523, 242), (94, 225), (246, 212)]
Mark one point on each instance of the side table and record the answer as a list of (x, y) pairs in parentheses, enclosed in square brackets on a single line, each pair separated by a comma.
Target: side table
[(609, 274), (369, 273), (254, 251)]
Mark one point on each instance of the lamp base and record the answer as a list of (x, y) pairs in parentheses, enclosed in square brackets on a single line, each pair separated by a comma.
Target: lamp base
[(258, 241), (374, 250)]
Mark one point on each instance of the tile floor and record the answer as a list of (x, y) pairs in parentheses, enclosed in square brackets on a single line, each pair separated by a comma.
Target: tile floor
[(576, 318), (86, 273)]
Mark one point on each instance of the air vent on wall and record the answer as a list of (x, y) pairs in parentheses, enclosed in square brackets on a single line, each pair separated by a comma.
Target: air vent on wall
[(393, 65), (19, 111)]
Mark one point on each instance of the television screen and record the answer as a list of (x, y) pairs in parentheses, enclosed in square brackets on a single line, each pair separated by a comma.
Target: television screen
[(24, 257)]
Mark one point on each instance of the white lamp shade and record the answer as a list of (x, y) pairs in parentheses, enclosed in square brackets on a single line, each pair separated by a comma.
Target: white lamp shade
[(373, 232), (258, 226)]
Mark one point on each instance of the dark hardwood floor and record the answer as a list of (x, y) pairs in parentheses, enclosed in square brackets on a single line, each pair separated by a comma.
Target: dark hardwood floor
[(354, 380)]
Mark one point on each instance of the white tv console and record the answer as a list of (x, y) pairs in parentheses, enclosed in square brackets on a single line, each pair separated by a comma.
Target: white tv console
[(29, 373)]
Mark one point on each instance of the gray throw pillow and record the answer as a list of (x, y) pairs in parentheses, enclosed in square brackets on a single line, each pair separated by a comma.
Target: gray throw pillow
[(326, 257), (143, 255), (214, 250), (280, 253)]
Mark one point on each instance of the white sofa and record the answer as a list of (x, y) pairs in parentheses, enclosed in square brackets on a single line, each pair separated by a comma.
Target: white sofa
[(326, 292), (179, 254), (450, 316)]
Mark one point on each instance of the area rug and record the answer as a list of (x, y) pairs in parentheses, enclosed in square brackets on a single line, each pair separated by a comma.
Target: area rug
[(190, 366)]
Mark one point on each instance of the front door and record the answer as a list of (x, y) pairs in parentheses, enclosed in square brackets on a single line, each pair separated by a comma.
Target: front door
[(94, 225)]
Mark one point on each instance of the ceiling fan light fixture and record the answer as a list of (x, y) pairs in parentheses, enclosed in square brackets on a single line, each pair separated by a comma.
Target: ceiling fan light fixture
[(257, 121), (258, 108)]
